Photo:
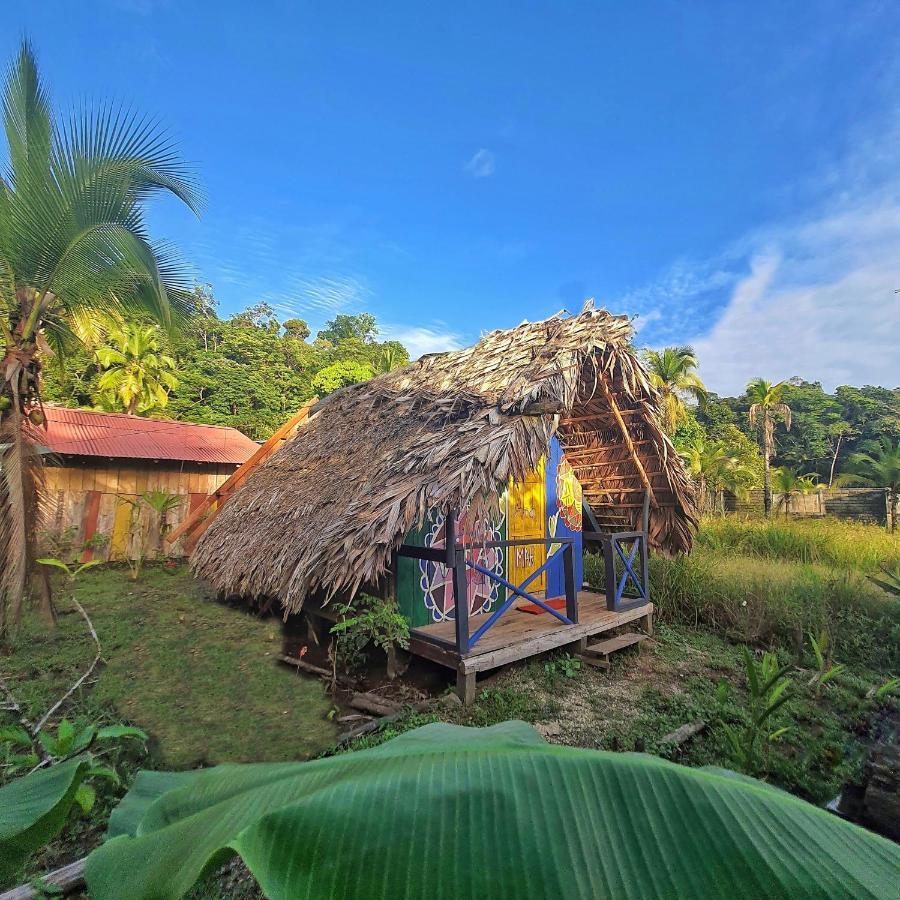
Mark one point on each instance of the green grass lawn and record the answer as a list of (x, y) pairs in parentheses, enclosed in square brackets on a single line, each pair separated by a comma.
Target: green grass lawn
[(200, 677)]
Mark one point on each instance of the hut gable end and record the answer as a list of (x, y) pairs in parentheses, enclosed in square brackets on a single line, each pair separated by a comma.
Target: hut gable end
[(449, 431)]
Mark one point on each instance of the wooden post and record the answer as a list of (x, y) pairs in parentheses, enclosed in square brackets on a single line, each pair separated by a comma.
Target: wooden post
[(461, 598), (571, 587), (465, 686), (609, 574), (456, 561), (648, 622)]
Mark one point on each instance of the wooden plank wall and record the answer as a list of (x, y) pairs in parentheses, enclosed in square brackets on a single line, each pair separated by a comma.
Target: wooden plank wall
[(87, 498)]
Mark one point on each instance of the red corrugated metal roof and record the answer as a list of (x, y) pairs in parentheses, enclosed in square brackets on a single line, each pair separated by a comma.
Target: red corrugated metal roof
[(81, 432)]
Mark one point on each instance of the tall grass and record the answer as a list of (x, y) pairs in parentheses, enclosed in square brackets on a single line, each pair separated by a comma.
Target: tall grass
[(775, 582), (830, 542), (772, 601)]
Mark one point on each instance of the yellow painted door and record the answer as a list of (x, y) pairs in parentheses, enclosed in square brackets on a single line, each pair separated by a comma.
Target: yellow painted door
[(527, 519)]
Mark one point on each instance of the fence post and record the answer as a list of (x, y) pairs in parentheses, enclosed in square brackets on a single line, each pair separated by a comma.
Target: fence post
[(609, 575)]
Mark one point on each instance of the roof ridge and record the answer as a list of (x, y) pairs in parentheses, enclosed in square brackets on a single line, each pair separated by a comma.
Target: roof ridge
[(116, 415)]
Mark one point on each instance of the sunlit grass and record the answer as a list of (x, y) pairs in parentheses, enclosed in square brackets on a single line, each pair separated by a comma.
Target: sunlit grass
[(831, 542), (199, 677), (774, 583)]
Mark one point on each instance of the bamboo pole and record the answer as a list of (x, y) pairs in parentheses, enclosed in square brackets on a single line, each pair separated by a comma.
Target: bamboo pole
[(607, 393), (236, 477)]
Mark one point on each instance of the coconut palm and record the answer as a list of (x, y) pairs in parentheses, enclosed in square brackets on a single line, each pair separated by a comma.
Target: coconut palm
[(878, 466), (73, 242), (671, 372), (137, 378), (766, 405)]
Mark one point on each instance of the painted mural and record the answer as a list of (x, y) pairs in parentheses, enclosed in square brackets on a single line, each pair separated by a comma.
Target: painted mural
[(546, 505), (435, 580)]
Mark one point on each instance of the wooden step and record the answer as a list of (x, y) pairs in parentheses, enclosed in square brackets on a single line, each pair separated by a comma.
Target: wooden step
[(598, 654)]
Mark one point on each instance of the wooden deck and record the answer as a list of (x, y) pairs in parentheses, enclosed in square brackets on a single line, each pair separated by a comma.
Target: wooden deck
[(518, 635)]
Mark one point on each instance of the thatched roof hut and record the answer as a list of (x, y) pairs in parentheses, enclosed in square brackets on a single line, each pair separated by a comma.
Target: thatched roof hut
[(449, 431)]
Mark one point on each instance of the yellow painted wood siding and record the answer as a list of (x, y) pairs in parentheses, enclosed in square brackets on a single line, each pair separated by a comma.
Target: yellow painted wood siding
[(68, 489), (527, 519)]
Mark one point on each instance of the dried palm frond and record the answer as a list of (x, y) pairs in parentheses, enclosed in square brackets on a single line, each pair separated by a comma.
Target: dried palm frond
[(449, 431)]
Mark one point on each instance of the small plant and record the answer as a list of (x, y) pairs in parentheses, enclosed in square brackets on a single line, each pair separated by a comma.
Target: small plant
[(367, 621), (883, 692), (565, 666), (57, 765), (826, 670), (768, 692), (161, 504)]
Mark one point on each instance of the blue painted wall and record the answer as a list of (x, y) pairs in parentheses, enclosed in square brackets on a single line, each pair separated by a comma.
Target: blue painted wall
[(556, 585)]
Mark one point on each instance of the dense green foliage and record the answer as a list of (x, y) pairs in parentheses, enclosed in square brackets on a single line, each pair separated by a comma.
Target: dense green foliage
[(249, 370), (555, 817), (826, 428)]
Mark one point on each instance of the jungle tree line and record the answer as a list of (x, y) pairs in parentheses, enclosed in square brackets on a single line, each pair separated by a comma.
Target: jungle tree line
[(790, 437), (250, 370)]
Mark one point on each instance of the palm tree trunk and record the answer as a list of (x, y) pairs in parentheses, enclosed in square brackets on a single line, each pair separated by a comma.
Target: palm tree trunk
[(767, 485), (837, 449), (14, 530)]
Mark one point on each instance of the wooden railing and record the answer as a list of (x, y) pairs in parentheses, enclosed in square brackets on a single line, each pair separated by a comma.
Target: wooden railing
[(629, 588), (453, 556)]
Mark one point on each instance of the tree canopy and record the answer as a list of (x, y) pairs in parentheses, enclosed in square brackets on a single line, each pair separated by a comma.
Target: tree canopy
[(249, 371)]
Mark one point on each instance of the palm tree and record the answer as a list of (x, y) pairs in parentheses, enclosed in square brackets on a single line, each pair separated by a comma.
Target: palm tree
[(879, 467), (388, 360), (671, 372), (72, 242), (765, 405), (789, 485), (136, 377), (716, 467)]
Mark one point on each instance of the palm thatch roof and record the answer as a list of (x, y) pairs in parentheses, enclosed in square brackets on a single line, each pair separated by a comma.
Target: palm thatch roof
[(449, 431)]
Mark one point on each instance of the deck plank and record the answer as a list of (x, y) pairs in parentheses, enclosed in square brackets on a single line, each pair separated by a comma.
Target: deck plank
[(518, 635)]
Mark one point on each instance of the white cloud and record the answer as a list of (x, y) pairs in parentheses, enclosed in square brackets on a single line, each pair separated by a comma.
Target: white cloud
[(481, 165), (813, 297), (822, 306), (420, 340)]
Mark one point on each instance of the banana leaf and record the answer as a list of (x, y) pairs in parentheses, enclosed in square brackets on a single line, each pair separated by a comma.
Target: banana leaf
[(447, 811), (33, 809)]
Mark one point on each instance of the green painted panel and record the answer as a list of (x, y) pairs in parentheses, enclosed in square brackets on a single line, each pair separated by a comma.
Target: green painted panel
[(422, 587)]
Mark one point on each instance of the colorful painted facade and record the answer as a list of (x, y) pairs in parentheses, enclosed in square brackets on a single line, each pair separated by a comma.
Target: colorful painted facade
[(546, 505)]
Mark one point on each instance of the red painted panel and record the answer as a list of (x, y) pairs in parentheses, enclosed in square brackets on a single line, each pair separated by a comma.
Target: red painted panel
[(91, 513)]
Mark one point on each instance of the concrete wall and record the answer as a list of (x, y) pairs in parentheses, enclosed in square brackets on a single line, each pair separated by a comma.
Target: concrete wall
[(859, 503)]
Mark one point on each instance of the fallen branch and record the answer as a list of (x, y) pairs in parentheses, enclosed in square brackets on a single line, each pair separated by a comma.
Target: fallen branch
[(377, 724), (46, 717), (67, 880), (376, 705), (684, 733), (313, 669)]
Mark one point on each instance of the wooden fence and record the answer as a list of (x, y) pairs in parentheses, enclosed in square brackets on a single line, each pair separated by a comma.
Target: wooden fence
[(94, 509)]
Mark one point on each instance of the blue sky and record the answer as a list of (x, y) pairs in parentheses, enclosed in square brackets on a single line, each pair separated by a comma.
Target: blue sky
[(728, 172)]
